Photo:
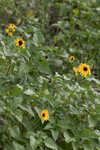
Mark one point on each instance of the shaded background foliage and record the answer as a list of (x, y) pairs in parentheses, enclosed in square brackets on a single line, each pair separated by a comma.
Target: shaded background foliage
[(41, 77)]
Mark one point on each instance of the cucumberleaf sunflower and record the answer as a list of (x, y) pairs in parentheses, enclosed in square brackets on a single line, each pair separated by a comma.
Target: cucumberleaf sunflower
[(44, 115), (84, 70)]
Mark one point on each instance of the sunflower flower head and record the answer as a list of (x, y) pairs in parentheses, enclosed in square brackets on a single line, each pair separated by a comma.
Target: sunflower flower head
[(44, 115), (20, 42), (9, 32), (12, 26), (84, 70), (10, 29), (75, 70), (71, 59)]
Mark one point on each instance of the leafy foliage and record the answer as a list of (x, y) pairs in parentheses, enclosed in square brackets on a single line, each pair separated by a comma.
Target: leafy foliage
[(40, 75)]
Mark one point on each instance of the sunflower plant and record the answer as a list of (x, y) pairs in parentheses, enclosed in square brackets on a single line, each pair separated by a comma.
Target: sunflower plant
[(49, 75)]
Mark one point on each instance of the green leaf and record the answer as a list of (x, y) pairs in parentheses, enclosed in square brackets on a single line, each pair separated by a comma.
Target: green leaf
[(75, 145), (16, 91), (33, 142), (18, 116), (68, 138), (44, 67), (55, 134), (38, 38), (17, 146), (64, 124), (63, 9), (91, 121), (27, 109), (88, 147), (51, 144), (89, 133), (14, 131)]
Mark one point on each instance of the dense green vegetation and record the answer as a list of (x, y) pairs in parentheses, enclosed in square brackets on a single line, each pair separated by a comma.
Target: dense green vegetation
[(48, 99)]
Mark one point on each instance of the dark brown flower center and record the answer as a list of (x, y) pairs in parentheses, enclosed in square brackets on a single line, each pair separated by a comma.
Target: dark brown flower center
[(20, 43), (72, 58), (46, 57), (85, 68), (43, 114)]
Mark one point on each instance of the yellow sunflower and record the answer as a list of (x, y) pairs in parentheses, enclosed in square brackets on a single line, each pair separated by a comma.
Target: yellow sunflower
[(75, 71), (12, 26), (20, 42), (44, 114), (8, 32), (84, 70), (71, 59), (10, 29)]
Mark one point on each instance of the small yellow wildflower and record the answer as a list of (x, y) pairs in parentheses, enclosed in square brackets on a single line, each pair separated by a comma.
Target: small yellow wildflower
[(84, 70), (10, 29), (20, 42), (44, 115), (75, 71), (12, 26), (71, 59), (10, 33)]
